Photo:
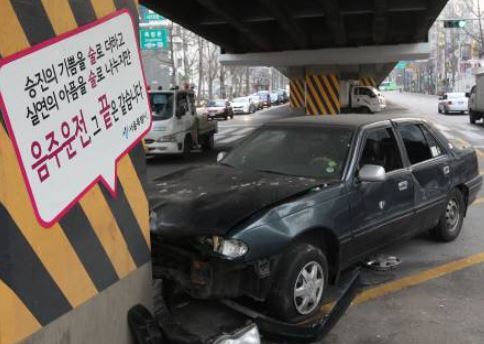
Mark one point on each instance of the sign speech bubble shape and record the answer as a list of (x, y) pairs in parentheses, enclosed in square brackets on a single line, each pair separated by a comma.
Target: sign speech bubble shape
[(73, 106)]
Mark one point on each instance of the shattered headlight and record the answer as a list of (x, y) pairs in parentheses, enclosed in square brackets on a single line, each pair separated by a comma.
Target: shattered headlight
[(247, 335), (229, 248)]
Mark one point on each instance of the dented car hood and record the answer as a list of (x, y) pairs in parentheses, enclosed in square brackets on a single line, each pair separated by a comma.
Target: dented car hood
[(211, 200)]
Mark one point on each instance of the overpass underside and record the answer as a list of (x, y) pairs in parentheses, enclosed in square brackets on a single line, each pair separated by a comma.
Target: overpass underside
[(316, 43)]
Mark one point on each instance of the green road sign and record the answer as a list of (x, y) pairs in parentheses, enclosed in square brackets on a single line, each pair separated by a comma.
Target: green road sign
[(454, 24), (153, 38), (147, 15)]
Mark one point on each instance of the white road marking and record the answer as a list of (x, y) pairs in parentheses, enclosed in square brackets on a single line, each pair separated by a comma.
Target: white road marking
[(441, 127), (229, 139), (472, 135)]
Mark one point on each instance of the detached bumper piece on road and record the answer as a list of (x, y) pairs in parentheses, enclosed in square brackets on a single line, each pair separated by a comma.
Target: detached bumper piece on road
[(189, 320)]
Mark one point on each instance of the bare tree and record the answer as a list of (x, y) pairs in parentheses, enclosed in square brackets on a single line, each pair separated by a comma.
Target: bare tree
[(172, 54), (212, 66), (475, 29), (201, 73)]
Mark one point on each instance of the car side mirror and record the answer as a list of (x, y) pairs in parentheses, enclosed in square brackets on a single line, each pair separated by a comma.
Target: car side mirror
[(372, 173), (221, 156), (468, 94)]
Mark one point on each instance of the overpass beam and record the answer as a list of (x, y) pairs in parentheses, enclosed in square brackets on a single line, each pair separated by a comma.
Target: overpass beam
[(331, 56)]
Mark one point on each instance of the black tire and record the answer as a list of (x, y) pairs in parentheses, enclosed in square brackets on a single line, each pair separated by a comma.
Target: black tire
[(449, 227), (187, 147), (282, 299), (440, 110), (472, 118), (446, 112), (208, 143)]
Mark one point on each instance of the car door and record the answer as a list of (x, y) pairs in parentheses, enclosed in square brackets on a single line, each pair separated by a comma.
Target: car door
[(431, 171), (185, 122), (382, 212), (357, 97)]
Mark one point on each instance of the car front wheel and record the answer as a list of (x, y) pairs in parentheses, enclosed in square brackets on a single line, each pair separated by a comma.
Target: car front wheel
[(450, 222), (300, 285)]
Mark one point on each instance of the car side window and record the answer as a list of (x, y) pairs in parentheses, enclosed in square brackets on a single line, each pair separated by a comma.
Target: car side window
[(436, 148), (418, 147), (381, 149)]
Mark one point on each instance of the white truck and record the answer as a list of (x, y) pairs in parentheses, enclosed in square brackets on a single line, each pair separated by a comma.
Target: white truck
[(476, 99), (177, 128), (360, 98)]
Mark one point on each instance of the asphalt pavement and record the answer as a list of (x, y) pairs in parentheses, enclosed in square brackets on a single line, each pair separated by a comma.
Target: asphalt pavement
[(436, 295)]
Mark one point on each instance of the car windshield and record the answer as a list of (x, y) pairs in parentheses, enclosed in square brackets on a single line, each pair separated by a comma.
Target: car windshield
[(241, 100), (161, 105), (455, 95), (216, 103), (303, 152)]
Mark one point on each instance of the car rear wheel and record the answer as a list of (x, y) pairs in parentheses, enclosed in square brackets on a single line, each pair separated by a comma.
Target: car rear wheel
[(472, 118), (440, 110), (300, 285), (450, 222)]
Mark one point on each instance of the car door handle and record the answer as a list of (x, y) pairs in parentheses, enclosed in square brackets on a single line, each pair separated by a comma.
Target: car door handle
[(446, 170), (403, 185)]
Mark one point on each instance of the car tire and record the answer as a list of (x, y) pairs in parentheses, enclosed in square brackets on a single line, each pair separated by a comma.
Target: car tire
[(450, 222), (472, 118), (440, 110), (208, 143), (298, 261), (187, 147), (446, 112)]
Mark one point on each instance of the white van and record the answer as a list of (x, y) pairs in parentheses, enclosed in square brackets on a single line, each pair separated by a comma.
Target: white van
[(177, 128)]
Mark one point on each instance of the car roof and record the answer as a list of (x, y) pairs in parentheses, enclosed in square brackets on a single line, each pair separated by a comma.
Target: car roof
[(346, 120)]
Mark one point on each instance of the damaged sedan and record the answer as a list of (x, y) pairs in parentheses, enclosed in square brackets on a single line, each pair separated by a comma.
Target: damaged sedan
[(300, 200)]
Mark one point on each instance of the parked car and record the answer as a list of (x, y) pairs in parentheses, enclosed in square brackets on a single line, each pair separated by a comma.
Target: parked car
[(275, 100), (265, 97), (257, 101), (219, 108), (283, 95), (301, 200), (476, 100), (453, 102), (243, 105)]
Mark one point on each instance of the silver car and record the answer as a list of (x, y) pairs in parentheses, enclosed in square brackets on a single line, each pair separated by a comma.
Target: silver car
[(453, 102)]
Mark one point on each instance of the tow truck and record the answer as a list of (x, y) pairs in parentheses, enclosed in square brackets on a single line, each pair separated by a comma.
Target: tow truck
[(177, 128)]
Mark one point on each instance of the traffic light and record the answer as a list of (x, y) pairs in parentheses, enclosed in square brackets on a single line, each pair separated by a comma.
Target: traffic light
[(454, 24)]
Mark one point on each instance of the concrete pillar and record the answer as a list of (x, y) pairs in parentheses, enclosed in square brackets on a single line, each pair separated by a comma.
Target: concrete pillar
[(323, 94), (297, 93)]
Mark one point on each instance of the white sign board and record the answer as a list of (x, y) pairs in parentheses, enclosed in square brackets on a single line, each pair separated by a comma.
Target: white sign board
[(73, 106)]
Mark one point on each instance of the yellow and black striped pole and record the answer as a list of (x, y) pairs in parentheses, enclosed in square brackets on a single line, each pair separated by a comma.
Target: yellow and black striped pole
[(297, 97), (323, 94), (47, 273)]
